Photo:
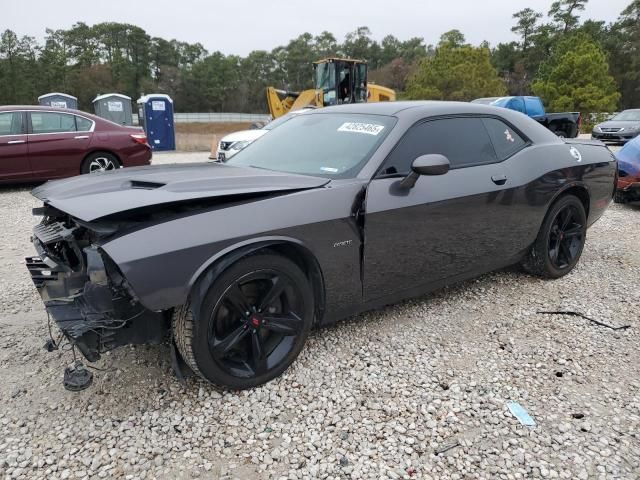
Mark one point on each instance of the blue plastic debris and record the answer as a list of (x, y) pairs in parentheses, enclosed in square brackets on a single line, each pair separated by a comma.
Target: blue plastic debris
[(521, 414)]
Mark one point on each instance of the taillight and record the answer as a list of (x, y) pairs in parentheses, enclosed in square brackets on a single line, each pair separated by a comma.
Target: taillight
[(140, 138)]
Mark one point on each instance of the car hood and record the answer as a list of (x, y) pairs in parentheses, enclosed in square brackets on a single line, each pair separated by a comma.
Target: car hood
[(243, 135), (618, 124), (96, 195)]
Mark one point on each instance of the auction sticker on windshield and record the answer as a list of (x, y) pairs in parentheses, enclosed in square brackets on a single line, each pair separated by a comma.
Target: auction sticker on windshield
[(355, 127)]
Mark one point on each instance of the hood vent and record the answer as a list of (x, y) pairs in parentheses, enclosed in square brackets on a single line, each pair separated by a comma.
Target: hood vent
[(145, 185)]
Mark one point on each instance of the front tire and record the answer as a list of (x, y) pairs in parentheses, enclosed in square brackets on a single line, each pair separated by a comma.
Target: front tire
[(250, 325), (560, 241)]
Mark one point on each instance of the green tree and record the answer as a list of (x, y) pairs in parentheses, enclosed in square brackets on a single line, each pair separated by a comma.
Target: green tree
[(18, 68), (565, 13), (452, 38), (455, 73), (622, 42), (576, 77), (325, 45), (527, 20)]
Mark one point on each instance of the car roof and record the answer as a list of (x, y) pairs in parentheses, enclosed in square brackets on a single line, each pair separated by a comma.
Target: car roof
[(408, 112), (46, 108), (424, 108)]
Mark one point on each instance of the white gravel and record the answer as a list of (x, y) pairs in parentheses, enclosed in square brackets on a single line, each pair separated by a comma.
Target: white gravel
[(376, 396)]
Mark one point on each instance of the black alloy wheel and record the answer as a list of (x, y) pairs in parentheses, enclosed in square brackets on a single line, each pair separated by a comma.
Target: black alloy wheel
[(251, 325), (560, 241), (566, 237), (255, 323)]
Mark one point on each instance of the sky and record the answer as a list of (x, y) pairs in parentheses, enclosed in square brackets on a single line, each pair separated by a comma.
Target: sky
[(240, 26)]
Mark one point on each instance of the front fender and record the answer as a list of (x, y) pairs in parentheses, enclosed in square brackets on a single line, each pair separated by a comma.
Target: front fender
[(208, 273)]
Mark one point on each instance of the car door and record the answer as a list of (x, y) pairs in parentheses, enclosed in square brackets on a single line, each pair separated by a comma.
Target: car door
[(56, 147), (14, 153), (445, 226)]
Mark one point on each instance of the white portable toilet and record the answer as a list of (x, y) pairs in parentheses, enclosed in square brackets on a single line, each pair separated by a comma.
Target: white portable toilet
[(115, 107), (58, 100)]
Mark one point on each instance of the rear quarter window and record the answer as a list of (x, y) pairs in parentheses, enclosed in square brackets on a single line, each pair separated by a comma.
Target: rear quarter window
[(83, 124), (506, 141)]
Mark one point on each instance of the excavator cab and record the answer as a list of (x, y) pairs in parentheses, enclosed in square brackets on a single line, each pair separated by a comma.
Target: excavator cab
[(336, 81), (340, 80)]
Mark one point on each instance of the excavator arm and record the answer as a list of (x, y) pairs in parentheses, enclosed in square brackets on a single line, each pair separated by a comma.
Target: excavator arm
[(281, 101)]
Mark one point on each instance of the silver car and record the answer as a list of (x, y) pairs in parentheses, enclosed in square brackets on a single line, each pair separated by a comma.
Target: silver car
[(621, 128)]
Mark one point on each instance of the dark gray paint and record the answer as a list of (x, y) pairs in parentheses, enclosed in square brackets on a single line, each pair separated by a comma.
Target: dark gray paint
[(446, 228), (102, 194)]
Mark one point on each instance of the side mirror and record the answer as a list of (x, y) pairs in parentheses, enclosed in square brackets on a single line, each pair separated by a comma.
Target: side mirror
[(432, 164)]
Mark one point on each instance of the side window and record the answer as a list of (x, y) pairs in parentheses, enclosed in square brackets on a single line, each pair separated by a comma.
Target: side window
[(464, 141), (50, 122), (534, 107), (11, 123), (83, 124), (517, 104), (505, 140)]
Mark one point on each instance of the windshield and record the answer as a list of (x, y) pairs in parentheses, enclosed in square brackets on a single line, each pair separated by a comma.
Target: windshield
[(325, 76), (628, 116), (485, 101), (284, 118), (500, 102), (329, 145)]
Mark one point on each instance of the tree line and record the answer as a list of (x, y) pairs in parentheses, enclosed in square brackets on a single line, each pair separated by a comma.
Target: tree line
[(590, 66)]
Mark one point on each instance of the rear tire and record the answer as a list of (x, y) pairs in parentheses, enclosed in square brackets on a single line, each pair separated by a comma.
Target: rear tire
[(561, 239), (250, 325), (99, 162), (561, 134)]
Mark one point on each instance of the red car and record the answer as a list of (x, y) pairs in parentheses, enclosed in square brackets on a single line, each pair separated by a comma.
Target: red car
[(41, 143)]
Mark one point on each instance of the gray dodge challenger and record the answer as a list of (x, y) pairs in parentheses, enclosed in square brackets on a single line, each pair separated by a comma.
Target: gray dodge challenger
[(335, 212)]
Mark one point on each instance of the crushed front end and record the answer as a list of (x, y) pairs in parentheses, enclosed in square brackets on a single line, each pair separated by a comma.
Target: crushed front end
[(84, 291)]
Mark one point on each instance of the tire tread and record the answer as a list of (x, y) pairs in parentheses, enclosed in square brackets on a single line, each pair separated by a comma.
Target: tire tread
[(183, 335)]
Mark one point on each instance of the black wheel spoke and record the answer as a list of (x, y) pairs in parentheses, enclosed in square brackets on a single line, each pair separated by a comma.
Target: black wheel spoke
[(568, 215), (259, 355), (253, 327), (566, 252), (287, 324), (272, 294), (574, 231), (224, 346), (236, 299), (565, 237)]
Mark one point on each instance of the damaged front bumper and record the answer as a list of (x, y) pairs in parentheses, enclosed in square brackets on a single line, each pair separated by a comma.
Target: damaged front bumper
[(85, 293)]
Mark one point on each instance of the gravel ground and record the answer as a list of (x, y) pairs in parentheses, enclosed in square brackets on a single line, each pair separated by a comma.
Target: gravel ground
[(377, 396)]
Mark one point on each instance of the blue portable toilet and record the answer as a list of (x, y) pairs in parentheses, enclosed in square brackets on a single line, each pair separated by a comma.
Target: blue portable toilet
[(58, 100), (155, 115)]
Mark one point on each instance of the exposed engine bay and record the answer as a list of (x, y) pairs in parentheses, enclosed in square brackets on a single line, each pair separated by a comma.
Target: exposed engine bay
[(84, 292)]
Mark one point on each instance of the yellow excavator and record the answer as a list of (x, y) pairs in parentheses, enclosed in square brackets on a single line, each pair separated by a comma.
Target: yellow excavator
[(336, 81)]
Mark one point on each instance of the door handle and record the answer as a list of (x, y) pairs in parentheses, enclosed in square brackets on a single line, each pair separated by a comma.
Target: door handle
[(499, 179), (14, 142), (81, 137)]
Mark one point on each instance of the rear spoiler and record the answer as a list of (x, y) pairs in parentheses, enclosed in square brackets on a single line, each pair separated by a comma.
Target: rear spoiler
[(583, 141)]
